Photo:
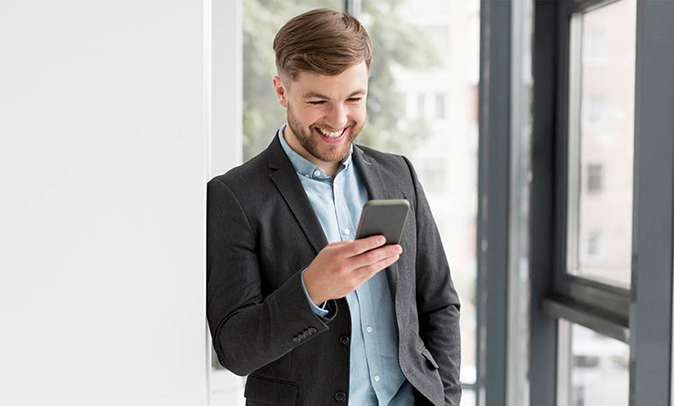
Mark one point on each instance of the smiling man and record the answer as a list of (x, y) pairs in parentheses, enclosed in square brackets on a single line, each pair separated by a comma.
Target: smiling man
[(310, 315)]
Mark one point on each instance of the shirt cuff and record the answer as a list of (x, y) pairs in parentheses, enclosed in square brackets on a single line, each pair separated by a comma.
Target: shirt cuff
[(321, 310)]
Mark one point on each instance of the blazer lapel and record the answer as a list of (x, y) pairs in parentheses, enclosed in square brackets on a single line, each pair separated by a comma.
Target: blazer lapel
[(376, 189), (286, 181)]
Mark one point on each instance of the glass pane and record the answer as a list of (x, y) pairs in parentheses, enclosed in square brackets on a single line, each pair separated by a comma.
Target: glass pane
[(599, 369), (601, 142), (262, 115), (422, 103)]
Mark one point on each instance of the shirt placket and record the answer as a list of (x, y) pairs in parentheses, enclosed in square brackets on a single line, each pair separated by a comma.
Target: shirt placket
[(368, 325), (346, 231)]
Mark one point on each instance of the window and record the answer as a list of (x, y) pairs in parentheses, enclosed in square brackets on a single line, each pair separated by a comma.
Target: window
[(440, 108), (602, 260), (593, 241), (600, 168), (594, 178), (595, 45), (421, 105), (433, 174), (598, 368), (447, 166), (594, 110)]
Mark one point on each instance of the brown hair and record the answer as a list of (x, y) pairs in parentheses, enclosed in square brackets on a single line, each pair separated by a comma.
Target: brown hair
[(321, 41)]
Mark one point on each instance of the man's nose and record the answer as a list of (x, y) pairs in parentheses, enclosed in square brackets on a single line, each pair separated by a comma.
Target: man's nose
[(336, 117)]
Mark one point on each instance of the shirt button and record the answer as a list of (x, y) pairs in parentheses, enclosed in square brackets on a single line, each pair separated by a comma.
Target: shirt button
[(347, 231), (340, 397), (307, 175), (377, 378), (317, 173), (369, 329), (344, 340)]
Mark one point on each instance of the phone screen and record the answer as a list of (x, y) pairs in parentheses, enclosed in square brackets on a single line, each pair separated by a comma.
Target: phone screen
[(385, 217)]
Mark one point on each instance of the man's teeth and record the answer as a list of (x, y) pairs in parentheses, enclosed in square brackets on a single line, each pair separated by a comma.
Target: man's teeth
[(331, 134)]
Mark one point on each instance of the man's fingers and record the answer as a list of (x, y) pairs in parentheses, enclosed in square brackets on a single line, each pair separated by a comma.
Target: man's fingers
[(375, 255), (362, 245), (366, 272)]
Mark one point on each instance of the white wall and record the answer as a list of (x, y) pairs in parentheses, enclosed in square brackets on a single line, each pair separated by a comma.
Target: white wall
[(102, 203)]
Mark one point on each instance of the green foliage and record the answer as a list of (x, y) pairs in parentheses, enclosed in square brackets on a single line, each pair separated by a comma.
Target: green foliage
[(396, 44)]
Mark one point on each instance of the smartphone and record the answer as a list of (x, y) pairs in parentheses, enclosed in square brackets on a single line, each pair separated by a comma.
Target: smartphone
[(386, 217)]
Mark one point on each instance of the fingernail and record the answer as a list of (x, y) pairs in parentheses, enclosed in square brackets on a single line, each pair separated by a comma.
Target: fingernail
[(382, 240)]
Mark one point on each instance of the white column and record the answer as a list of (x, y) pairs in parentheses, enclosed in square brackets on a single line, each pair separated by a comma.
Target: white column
[(103, 168)]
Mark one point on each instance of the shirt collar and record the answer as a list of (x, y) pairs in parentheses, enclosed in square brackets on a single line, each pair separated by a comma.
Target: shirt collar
[(303, 166)]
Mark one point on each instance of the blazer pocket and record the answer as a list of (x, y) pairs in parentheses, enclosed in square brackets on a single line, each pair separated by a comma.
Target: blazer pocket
[(429, 357), (269, 390)]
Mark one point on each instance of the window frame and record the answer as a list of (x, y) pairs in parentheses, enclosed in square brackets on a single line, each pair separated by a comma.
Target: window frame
[(599, 300), (641, 316)]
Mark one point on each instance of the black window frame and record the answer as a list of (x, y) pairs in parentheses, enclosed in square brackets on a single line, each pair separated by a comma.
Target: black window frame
[(605, 307), (642, 315)]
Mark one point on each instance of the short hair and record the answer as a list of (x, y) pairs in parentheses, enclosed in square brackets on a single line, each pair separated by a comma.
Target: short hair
[(321, 41)]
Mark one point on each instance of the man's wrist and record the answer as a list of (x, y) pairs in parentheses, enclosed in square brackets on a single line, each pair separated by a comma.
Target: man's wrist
[(318, 308), (312, 295)]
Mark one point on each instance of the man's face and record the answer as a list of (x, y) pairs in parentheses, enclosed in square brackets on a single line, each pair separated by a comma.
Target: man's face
[(326, 113)]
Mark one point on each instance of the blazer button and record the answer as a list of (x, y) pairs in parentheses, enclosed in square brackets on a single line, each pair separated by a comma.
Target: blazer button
[(312, 330), (296, 339), (344, 340), (340, 397)]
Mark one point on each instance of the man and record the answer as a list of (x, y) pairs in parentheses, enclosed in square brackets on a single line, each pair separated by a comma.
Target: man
[(293, 301)]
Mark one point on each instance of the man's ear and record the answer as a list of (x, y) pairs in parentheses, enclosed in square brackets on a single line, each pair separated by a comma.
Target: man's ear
[(281, 92)]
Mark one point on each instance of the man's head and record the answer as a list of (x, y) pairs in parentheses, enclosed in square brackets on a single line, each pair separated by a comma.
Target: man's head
[(323, 58)]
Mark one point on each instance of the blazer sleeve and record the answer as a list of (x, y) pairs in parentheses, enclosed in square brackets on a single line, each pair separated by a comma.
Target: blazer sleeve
[(249, 331), (437, 300)]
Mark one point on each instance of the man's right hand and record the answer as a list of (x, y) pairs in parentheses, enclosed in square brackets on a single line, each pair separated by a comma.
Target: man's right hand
[(341, 267)]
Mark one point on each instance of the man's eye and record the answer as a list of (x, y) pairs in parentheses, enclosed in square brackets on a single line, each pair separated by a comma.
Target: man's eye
[(316, 102), (354, 99)]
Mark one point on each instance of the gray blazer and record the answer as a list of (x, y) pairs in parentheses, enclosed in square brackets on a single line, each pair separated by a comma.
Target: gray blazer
[(262, 230)]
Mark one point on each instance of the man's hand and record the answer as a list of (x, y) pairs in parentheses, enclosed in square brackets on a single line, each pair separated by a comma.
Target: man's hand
[(341, 267)]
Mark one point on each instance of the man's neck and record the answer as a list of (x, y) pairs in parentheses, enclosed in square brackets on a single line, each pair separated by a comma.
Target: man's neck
[(330, 168)]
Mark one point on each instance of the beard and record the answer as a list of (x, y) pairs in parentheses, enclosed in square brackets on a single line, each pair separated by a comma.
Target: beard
[(312, 143)]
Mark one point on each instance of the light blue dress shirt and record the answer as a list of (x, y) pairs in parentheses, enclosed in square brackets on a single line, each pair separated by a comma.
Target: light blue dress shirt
[(375, 375)]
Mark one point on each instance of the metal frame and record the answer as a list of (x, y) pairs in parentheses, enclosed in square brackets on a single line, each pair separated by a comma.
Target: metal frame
[(353, 7), (493, 207), (653, 242), (521, 83), (642, 316), (606, 298), (543, 205)]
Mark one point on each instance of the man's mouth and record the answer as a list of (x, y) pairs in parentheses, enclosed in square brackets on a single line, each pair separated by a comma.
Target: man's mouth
[(331, 136)]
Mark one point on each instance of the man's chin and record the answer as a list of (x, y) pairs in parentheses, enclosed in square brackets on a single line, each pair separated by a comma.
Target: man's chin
[(331, 157)]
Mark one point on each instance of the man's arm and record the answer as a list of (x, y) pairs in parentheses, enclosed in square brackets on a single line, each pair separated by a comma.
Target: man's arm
[(249, 331), (437, 300)]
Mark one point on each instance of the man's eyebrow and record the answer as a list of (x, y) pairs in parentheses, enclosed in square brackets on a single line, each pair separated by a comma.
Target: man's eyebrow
[(316, 95)]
